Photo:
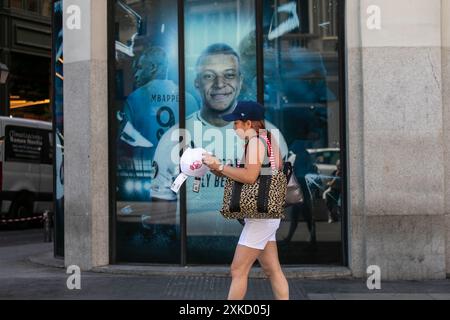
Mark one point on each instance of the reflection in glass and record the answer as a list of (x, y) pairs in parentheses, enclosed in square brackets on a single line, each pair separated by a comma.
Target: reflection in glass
[(130, 24), (301, 96)]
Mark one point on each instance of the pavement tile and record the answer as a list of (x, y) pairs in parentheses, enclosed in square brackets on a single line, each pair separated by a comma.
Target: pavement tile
[(381, 296), (320, 296), (21, 278), (440, 296)]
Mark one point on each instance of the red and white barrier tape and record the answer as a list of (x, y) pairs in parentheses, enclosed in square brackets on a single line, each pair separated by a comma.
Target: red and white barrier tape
[(21, 220)]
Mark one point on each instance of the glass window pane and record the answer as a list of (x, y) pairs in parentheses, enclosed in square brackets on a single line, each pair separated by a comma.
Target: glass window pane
[(301, 95), (220, 69), (46, 8), (30, 87), (301, 80), (147, 104)]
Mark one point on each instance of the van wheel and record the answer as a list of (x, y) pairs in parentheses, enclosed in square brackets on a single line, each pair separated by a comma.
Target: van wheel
[(22, 207)]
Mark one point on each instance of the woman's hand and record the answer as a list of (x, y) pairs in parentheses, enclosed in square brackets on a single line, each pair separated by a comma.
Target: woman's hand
[(211, 161)]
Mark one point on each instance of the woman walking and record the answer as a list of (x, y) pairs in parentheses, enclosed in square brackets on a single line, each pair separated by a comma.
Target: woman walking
[(258, 237)]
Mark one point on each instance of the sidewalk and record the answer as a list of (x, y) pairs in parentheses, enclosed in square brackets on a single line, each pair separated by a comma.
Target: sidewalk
[(28, 271)]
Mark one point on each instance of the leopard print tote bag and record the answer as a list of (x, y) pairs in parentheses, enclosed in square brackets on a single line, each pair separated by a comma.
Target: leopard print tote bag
[(264, 199)]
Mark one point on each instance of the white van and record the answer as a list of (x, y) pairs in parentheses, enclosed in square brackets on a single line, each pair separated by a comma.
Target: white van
[(26, 169)]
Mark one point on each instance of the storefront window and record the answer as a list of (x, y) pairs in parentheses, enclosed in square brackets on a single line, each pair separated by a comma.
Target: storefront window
[(30, 86), (16, 4), (43, 7), (292, 69), (46, 7), (147, 105)]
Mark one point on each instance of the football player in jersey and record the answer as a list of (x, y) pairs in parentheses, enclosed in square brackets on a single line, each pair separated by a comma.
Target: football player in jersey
[(219, 82), (152, 108)]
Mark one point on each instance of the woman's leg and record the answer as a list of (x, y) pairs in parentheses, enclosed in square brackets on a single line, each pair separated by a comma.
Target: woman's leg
[(243, 260), (271, 265)]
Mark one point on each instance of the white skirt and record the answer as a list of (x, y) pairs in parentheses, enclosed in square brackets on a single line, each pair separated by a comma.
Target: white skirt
[(257, 232)]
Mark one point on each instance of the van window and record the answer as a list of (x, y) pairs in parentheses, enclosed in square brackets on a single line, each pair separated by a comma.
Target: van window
[(24, 144)]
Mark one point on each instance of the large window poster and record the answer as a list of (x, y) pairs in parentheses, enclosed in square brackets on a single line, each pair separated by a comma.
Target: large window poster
[(147, 105), (58, 121), (220, 63), (300, 79)]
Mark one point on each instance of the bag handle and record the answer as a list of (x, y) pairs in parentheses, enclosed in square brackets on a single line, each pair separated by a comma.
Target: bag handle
[(269, 151), (271, 155)]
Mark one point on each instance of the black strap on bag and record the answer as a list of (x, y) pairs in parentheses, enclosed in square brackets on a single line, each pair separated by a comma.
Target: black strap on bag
[(235, 205), (263, 200)]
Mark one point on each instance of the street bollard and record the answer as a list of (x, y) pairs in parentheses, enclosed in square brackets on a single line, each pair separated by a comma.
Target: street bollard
[(47, 216)]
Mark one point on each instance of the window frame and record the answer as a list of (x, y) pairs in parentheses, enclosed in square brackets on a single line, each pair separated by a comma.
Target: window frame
[(112, 128)]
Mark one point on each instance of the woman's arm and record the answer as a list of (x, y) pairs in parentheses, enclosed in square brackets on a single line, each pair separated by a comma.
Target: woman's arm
[(249, 174), (217, 173)]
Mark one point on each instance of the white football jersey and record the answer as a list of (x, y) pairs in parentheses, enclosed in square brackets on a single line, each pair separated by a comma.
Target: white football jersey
[(153, 109)]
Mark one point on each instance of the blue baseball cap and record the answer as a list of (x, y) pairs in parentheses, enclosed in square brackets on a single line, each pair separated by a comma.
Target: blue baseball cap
[(246, 110)]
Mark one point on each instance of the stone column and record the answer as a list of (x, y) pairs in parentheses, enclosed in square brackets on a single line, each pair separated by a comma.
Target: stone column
[(396, 158), (355, 125), (446, 102), (86, 133)]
